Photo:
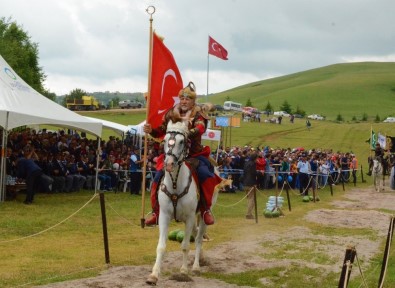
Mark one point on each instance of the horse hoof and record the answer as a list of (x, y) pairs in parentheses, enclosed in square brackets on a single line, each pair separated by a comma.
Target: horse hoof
[(151, 280), (196, 272), (181, 277)]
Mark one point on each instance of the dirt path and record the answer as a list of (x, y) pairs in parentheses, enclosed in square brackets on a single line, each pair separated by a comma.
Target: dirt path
[(358, 210)]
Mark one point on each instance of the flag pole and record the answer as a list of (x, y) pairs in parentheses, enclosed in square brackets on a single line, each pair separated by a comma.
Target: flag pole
[(150, 10), (208, 65)]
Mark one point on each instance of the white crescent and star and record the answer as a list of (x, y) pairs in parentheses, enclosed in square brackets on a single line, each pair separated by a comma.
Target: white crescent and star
[(170, 73), (214, 47)]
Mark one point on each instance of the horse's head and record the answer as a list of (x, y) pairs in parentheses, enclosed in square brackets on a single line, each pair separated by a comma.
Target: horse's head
[(176, 144), (377, 166)]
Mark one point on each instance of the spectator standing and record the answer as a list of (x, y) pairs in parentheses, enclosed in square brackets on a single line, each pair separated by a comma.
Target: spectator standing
[(135, 171), (303, 174), (27, 169), (345, 166), (354, 167), (260, 167), (250, 182), (308, 124)]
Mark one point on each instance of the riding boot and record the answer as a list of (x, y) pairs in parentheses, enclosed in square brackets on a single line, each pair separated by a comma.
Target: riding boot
[(153, 220), (207, 190)]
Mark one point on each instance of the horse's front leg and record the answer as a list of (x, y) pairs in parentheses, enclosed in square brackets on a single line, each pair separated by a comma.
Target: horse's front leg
[(189, 225), (198, 246), (164, 221)]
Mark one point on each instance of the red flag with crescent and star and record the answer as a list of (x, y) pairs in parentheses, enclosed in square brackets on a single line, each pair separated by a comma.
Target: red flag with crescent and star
[(216, 49), (166, 82)]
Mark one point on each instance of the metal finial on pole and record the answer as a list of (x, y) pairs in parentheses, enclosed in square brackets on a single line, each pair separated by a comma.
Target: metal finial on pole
[(150, 10)]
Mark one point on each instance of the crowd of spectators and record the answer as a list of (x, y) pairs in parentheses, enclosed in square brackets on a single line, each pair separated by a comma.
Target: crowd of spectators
[(301, 168), (69, 159)]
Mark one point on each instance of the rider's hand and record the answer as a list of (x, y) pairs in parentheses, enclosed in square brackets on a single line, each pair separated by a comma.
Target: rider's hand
[(147, 128)]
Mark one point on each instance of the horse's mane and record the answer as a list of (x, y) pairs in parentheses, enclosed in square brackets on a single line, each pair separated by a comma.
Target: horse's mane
[(174, 116), (178, 126)]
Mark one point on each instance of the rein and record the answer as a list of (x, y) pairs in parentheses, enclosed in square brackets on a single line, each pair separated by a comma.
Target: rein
[(174, 197), (172, 143)]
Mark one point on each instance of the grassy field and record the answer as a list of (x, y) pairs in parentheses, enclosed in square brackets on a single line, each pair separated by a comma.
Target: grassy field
[(344, 137), (60, 237), (31, 255), (350, 90), (74, 249)]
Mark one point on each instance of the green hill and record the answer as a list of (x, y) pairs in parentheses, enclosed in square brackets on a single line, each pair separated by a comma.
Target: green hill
[(350, 90)]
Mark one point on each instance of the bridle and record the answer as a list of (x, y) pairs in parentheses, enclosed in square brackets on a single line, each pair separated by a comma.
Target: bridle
[(171, 143)]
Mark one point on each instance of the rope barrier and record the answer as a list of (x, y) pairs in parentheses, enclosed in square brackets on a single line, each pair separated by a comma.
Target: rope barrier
[(53, 226), (228, 206), (120, 216), (63, 275), (360, 270), (371, 273)]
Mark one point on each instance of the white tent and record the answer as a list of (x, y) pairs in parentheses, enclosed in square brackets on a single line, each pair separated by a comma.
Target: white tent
[(22, 105), (116, 127), (137, 130)]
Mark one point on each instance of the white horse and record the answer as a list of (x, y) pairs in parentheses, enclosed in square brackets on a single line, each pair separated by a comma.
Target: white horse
[(178, 198), (377, 172)]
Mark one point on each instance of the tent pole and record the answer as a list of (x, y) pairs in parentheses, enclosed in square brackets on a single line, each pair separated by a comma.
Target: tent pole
[(3, 172), (97, 163)]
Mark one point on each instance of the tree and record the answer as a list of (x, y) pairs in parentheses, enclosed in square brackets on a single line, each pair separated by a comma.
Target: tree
[(300, 111), (115, 101), (249, 103), (268, 107), (21, 54), (75, 94), (286, 107)]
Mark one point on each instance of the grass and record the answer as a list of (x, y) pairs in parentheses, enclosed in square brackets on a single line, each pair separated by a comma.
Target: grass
[(74, 248), (350, 89)]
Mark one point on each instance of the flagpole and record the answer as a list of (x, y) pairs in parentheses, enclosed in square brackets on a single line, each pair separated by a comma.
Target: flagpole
[(150, 10), (208, 65)]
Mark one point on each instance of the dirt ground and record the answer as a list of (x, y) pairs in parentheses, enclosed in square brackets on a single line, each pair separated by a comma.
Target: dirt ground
[(356, 211)]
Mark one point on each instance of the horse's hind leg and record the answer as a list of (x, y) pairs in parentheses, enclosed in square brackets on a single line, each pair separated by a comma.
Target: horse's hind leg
[(198, 246)]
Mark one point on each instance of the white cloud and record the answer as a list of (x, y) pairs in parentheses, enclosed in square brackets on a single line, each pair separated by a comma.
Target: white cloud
[(103, 44)]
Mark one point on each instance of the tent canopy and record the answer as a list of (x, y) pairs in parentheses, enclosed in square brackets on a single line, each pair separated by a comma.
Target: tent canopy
[(22, 105), (117, 128)]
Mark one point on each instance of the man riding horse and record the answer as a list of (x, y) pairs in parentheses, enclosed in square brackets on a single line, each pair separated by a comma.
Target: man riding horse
[(197, 125)]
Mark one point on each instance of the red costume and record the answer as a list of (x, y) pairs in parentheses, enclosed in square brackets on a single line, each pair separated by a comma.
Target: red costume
[(207, 179)]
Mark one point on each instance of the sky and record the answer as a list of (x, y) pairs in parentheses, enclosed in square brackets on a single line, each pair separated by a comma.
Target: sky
[(103, 45)]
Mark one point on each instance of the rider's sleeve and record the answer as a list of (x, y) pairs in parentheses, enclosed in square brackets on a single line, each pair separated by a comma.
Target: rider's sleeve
[(199, 128)]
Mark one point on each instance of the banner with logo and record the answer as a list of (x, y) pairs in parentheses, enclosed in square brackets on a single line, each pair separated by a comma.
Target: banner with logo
[(213, 135)]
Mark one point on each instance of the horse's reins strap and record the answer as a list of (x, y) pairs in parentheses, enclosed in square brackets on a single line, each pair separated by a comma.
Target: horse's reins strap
[(174, 197)]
